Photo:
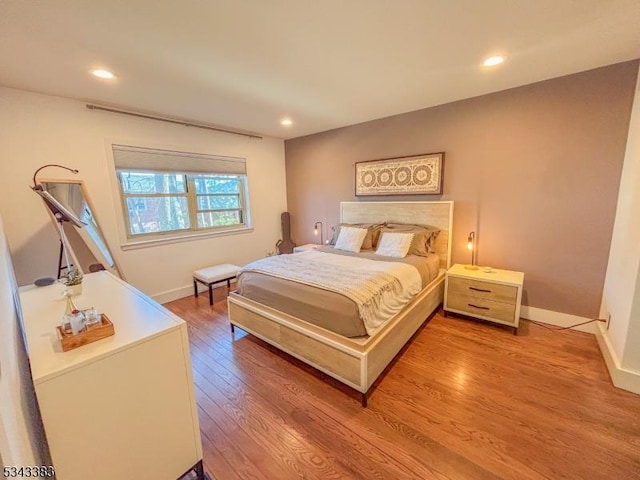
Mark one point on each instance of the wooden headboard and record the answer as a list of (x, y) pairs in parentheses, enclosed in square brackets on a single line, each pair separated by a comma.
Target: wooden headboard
[(434, 214)]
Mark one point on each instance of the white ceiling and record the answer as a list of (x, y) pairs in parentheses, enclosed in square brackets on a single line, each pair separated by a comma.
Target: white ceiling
[(324, 63)]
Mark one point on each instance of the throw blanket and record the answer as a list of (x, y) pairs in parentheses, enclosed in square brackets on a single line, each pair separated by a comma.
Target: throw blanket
[(380, 289)]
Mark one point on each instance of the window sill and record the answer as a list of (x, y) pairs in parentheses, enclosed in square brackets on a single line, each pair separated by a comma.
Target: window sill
[(154, 242)]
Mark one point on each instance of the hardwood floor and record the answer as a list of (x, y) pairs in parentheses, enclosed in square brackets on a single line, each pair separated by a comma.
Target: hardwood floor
[(464, 400)]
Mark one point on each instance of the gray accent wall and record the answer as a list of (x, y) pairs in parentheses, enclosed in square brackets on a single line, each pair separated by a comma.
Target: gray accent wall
[(534, 170)]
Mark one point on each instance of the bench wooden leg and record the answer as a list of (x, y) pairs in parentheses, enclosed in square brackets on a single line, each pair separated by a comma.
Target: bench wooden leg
[(210, 294), (195, 289), (228, 283)]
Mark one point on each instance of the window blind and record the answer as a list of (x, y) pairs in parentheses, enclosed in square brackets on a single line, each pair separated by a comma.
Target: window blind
[(138, 158)]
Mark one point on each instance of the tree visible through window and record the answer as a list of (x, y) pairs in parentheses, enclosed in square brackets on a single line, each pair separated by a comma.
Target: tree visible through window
[(159, 202), (218, 201)]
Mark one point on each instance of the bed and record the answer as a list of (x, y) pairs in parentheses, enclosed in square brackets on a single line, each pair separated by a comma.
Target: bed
[(359, 360)]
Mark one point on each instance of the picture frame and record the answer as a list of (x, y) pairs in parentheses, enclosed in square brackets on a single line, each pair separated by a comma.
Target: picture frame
[(412, 175)]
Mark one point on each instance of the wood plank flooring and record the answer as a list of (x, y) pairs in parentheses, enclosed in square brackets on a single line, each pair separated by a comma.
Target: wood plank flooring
[(464, 400)]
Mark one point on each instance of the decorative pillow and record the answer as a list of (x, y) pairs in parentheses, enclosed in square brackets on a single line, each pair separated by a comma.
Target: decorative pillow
[(394, 244), (370, 240), (350, 239), (423, 237)]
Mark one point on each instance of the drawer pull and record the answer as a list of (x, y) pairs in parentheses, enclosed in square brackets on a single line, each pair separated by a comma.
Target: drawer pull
[(479, 290), (477, 306)]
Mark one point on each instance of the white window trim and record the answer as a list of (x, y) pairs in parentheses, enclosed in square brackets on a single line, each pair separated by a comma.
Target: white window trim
[(185, 237), (127, 243), (192, 201)]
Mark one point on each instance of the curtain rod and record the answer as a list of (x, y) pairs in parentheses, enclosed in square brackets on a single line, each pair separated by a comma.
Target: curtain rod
[(170, 120)]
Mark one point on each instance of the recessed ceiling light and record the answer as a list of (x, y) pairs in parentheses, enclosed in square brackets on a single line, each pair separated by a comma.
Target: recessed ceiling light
[(493, 61), (106, 74), (286, 122)]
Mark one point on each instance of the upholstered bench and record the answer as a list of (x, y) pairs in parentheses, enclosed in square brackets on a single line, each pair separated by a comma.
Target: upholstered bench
[(212, 275)]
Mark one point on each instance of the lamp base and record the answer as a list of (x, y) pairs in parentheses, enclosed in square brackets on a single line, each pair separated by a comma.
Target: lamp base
[(471, 267)]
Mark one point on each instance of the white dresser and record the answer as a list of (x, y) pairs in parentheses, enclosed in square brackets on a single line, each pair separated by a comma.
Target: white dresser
[(122, 407)]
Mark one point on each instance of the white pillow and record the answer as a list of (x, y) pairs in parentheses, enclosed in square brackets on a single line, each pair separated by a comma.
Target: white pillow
[(394, 244), (350, 239)]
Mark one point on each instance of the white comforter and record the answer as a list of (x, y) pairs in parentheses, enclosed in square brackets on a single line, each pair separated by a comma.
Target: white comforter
[(380, 289)]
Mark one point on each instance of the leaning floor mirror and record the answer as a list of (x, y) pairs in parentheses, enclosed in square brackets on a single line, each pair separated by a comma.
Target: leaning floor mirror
[(88, 245)]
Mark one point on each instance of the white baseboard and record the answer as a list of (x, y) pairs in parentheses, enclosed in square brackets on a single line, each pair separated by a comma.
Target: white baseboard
[(181, 292), (174, 294), (556, 318), (621, 377)]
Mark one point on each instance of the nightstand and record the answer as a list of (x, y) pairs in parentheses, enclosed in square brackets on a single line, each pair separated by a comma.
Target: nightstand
[(493, 296), (304, 248)]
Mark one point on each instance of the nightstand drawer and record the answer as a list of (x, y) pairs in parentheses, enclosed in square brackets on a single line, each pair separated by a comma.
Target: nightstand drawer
[(481, 307), (485, 290)]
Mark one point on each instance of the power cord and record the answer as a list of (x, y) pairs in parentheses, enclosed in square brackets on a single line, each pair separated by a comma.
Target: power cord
[(570, 326)]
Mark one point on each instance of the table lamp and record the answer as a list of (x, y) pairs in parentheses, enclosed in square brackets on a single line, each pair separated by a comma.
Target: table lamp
[(471, 245), (315, 232)]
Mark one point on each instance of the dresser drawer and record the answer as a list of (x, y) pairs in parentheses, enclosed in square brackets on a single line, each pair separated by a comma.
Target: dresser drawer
[(483, 290), (481, 307)]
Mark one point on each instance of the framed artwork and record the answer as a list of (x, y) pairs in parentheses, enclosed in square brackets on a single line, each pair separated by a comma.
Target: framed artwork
[(415, 175)]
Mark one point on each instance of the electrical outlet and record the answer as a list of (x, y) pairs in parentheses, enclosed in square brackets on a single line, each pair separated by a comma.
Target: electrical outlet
[(608, 320)]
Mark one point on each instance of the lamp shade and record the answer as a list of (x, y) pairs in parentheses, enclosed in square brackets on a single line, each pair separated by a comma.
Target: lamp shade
[(471, 246), (315, 231)]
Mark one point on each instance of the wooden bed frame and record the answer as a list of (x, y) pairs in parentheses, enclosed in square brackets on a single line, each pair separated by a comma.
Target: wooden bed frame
[(356, 362)]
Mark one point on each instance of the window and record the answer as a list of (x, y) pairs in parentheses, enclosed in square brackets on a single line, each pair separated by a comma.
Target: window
[(218, 201), (159, 201)]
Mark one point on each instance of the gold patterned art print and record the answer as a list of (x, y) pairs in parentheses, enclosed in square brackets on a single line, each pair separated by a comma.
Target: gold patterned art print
[(415, 175)]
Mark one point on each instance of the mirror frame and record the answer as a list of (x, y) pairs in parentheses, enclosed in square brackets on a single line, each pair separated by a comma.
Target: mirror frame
[(116, 269)]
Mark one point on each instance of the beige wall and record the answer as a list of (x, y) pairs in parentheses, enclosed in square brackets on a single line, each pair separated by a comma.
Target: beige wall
[(39, 129), (21, 437), (621, 296), (534, 170)]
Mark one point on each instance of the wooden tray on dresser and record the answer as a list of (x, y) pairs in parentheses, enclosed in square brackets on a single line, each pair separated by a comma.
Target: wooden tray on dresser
[(68, 341)]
